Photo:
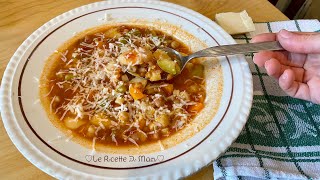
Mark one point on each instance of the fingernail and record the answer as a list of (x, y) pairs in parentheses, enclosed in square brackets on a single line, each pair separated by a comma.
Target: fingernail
[(266, 64), (284, 76), (285, 34)]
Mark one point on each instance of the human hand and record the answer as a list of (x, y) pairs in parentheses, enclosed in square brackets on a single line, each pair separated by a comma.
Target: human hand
[(298, 68)]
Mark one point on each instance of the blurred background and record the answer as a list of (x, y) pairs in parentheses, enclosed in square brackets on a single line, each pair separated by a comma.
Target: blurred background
[(299, 9)]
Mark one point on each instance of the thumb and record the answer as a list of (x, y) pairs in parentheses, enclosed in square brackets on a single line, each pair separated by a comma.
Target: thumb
[(299, 42)]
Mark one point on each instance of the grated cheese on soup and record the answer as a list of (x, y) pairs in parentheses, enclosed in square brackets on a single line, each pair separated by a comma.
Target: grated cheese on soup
[(94, 96)]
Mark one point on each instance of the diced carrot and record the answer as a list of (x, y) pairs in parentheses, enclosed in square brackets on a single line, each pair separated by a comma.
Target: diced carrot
[(195, 108), (136, 91), (201, 96)]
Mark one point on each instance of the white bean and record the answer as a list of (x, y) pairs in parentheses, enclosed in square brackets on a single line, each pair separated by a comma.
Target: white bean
[(72, 123)]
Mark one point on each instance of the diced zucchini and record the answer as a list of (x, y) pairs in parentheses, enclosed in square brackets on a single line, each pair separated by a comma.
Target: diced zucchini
[(122, 89), (167, 66), (68, 77), (166, 63), (123, 41), (136, 32)]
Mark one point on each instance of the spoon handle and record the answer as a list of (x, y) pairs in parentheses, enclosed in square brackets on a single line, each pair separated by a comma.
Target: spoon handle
[(237, 49)]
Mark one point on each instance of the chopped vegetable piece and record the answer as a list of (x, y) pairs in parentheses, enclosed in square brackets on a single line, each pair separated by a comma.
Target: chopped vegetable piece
[(167, 66), (101, 119), (139, 136), (68, 77), (165, 131), (120, 100), (152, 126), (135, 56), (165, 62), (154, 75), (124, 117), (195, 108), (123, 41), (170, 76), (159, 102), (152, 89), (124, 78), (60, 75), (122, 88), (160, 54), (91, 131), (139, 80), (136, 91), (163, 119), (168, 88), (155, 136), (141, 122), (72, 123), (136, 32)]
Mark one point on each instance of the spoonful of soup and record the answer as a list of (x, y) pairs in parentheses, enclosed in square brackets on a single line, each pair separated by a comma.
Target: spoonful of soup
[(167, 62)]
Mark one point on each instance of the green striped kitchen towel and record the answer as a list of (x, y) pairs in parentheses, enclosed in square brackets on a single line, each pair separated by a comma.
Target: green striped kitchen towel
[(281, 139)]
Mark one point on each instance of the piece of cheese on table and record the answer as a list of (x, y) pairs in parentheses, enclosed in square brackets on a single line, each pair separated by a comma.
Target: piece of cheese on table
[(235, 23)]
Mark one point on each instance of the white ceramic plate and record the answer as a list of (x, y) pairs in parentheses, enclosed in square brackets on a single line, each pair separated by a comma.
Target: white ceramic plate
[(42, 144)]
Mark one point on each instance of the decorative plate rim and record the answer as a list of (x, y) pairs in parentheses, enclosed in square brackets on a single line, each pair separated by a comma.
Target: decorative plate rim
[(41, 161)]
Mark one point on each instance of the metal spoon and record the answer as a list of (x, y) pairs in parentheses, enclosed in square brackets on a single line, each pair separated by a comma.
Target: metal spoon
[(223, 50)]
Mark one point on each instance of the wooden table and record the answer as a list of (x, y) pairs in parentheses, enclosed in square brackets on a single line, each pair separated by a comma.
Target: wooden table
[(18, 19)]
